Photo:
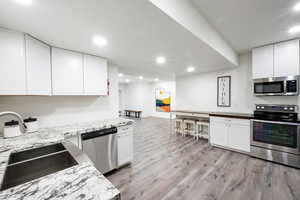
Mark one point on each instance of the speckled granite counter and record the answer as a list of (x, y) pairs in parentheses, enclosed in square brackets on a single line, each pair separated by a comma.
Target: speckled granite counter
[(82, 181)]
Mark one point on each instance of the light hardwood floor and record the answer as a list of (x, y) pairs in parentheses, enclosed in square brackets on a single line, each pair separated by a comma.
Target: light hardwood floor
[(173, 167)]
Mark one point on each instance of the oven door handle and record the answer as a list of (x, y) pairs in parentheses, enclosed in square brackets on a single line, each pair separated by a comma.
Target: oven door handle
[(275, 122)]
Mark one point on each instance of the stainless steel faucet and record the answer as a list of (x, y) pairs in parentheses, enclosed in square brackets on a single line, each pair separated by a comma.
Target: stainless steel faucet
[(23, 127)]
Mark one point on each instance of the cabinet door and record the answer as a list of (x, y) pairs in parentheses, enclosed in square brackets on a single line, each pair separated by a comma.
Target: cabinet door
[(67, 72), (263, 62), (95, 75), (12, 63), (38, 67), (239, 136), (125, 148), (218, 133), (286, 58)]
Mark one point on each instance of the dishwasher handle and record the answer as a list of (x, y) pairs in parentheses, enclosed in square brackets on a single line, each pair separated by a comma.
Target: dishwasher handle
[(100, 133)]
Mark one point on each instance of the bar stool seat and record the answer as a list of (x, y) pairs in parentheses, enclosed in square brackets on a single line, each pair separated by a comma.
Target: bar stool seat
[(178, 126), (189, 127), (200, 133)]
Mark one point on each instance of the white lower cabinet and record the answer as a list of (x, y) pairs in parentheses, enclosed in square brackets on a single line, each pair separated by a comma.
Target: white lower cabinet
[(125, 145), (239, 137), (230, 133), (218, 133)]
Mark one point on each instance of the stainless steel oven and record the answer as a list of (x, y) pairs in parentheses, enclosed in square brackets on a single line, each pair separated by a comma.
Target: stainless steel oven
[(276, 86), (280, 136), (275, 134)]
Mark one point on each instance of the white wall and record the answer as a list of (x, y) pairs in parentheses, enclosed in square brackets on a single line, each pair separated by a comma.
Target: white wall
[(199, 92), (141, 96), (60, 110), (137, 96)]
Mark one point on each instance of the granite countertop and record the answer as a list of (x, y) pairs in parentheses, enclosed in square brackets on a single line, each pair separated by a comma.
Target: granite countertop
[(218, 114), (82, 181)]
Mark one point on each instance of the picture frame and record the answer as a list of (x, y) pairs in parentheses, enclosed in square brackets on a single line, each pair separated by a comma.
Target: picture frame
[(224, 91), (162, 100)]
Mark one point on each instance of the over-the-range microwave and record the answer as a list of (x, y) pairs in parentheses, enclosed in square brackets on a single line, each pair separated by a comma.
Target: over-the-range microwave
[(276, 86)]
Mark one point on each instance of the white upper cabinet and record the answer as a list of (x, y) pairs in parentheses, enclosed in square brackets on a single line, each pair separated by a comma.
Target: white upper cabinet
[(27, 68), (38, 65), (281, 59), (263, 62), (67, 72), (12, 63), (286, 58), (95, 75)]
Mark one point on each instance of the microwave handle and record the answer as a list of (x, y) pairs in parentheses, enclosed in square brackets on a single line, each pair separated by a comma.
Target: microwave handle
[(275, 122)]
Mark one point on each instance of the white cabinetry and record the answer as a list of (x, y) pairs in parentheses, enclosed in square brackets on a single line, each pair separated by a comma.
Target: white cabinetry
[(276, 60), (125, 145), (239, 135), (95, 75), (25, 68), (218, 132), (38, 67), (67, 72), (12, 63), (263, 62), (286, 58), (230, 133)]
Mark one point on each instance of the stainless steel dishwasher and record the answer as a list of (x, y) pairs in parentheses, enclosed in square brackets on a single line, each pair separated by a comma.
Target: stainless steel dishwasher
[(101, 147)]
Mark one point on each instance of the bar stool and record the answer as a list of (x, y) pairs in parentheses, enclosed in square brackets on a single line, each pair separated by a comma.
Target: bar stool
[(200, 133), (178, 126), (189, 127)]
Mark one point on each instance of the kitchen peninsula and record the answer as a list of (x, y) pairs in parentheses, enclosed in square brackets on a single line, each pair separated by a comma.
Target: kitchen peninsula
[(81, 181)]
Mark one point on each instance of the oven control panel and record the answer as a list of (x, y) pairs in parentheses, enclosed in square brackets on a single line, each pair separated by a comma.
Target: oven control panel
[(276, 108)]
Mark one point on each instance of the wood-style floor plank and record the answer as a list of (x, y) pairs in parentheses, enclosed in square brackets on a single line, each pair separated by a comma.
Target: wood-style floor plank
[(180, 168)]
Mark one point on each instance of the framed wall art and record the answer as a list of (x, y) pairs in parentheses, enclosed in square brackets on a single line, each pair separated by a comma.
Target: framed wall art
[(163, 100), (224, 91)]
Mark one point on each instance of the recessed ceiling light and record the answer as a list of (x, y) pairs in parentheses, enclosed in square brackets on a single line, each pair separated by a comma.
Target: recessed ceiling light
[(127, 80), (160, 60), (296, 7), (156, 79), (190, 69), (99, 41), (24, 2), (141, 78), (294, 29), (121, 75)]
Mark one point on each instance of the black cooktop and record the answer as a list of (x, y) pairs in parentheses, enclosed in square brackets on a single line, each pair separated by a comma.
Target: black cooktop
[(276, 116)]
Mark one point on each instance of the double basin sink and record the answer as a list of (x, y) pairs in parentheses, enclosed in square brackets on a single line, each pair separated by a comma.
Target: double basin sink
[(31, 164)]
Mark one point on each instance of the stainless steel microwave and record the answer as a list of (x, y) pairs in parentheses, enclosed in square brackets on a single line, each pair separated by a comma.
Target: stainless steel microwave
[(276, 86)]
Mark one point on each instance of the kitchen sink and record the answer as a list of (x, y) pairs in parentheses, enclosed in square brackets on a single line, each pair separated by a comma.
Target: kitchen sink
[(35, 163), (34, 153)]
